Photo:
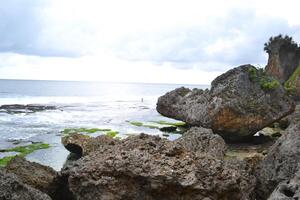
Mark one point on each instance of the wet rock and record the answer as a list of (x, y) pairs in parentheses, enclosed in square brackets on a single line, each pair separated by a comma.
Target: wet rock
[(12, 188), (240, 102), (202, 140), (82, 145), (281, 162), (287, 190), (29, 108), (168, 129), (150, 167)]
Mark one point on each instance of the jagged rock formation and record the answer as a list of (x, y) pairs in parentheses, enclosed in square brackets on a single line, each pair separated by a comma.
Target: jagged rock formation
[(287, 190), (284, 63), (33, 174), (82, 145), (282, 161), (240, 102), (12, 188), (150, 167), (284, 57)]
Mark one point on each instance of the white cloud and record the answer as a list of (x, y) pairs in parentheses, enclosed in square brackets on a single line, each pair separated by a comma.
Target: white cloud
[(138, 40)]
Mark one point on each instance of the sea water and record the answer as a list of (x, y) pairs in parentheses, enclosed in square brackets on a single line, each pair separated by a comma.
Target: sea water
[(80, 104)]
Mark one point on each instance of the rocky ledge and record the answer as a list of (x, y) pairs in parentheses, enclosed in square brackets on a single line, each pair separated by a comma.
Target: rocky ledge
[(29, 108)]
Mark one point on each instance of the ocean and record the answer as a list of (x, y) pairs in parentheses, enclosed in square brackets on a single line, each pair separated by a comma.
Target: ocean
[(80, 104)]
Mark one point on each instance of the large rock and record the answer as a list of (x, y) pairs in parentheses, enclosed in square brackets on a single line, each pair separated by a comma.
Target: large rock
[(39, 177), (11, 188), (150, 167), (240, 102), (287, 190), (201, 140), (282, 161), (82, 145), (284, 57)]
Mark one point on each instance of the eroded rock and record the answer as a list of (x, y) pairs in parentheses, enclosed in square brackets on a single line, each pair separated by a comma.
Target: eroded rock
[(150, 167), (287, 190), (240, 102), (12, 188), (281, 162)]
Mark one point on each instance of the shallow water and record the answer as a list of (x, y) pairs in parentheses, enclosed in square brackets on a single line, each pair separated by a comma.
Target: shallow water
[(81, 104)]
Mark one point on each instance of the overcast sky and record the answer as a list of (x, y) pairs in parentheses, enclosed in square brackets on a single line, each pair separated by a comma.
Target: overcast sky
[(162, 41)]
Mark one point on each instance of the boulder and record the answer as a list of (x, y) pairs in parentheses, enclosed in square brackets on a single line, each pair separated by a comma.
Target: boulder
[(150, 167), (82, 145), (287, 190), (37, 176), (240, 102), (201, 140), (281, 162), (12, 188)]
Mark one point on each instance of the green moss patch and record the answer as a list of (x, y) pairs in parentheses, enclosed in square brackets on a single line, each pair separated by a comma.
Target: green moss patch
[(290, 85), (112, 133), (141, 124), (161, 122), (69, 131), (266, 82), (22, 151)]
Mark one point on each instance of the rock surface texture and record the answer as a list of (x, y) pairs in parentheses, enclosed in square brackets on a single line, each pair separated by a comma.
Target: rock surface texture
[(240, 102), (287, 190), (35, 175), (282, 160), (12, 188), (149, 167)]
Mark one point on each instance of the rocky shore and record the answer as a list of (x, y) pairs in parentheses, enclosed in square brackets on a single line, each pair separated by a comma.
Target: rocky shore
[(242, 142)]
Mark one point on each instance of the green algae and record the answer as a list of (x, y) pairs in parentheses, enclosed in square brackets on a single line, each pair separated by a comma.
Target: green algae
[(161, 122), (112, 133), (22, 151), (69, 131), (141, 124)]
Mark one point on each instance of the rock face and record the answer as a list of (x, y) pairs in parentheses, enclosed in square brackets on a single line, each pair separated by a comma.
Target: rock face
[(149, 167), (11, 188), (82, 145), (282, 161), (37, 176), (284, 57), (202, 140), (239, 103), (287, 190)]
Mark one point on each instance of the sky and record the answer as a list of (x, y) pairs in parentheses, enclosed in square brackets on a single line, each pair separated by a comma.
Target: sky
[(155, 41)]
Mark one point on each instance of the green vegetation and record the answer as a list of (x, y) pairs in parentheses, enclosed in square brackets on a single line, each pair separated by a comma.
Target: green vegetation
[(69, 131), (286, 41), (161, 122), (266, 82), (112, 133), (290, 85), (22, 151), (140, 124)]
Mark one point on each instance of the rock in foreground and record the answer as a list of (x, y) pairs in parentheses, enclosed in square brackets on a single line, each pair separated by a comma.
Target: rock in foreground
[(11, 188), (240, 102), (149, 167), (282, 161), (287, 190)]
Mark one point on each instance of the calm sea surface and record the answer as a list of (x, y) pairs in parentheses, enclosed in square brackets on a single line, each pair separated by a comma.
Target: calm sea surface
[(81, 104)]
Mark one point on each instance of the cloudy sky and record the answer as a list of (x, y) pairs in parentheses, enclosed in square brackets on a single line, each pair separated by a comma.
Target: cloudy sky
[(161, 41)]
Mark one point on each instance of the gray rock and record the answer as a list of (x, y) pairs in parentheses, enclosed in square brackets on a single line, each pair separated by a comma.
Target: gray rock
[(150, 167), (287, 190), (11, 188), (201, 140), (281, 163), (240, 102)]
